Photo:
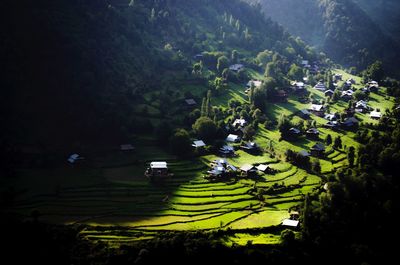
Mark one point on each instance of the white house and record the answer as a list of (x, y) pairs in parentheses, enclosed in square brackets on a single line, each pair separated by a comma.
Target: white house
[(239, 122), (198, 143), (375, 115), (233, 138), (290, 223)]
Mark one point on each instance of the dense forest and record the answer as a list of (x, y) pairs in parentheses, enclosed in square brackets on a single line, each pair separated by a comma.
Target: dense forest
[(353, 33), (86, 75)]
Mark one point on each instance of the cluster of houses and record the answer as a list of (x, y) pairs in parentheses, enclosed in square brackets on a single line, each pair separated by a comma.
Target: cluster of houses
[(222, 169)]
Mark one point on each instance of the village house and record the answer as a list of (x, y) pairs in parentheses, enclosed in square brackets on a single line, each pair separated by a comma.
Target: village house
[(248, 170), (298, 86), (305, 114), (191, 103), (236, 67), (221, 168), (304, 153), (362, 106), (320, 86), (318, 150), (290, 223), (350, 122), (312, 133), (239, 123), (198, 144), (264, 168), (337, 77), (74, 158), (373, 86), (331, 125), (329, 93), (227, 150), (330, 117), (294, 132), (317, 109), (347, 95), (233, 138), (375, 115), (250, 146), (157, 170)]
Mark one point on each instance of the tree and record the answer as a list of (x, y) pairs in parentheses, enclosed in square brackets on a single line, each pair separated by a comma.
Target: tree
[(359, 95), (284, 125), (337, 143), (328, 139), (235, 56), (222, 63), (248, 133), (295, 72), (374, 72), (205, 128), (351, 156), (180, 142)]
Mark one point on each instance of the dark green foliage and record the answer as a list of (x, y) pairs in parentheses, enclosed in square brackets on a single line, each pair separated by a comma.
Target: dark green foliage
[(180, 142), (205, 129), (328, 139)]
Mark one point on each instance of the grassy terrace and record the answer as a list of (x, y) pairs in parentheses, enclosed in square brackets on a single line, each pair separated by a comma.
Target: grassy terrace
[(113, 191)]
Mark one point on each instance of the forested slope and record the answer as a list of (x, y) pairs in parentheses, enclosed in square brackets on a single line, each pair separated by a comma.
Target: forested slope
[(72, 68), (350, 32)]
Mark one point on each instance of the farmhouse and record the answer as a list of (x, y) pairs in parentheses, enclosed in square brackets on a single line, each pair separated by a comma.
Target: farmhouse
[(198, 144), (361, 104), (320, 86), (318, 110), (347, 94), (350, 122), (305, 114), (312, 133), (232, 138), (157, 169), (329, 93), (290, 223), (337, 77), (375, 115), (317, 149), (74, 158), (330, 117), (239, 123), (227, 150), (373, 86), (250, 146), (331, 124), (263, 168), (190, 102), (294, 131), (304, 153), (236, 67), (249, 170), (298, 86)]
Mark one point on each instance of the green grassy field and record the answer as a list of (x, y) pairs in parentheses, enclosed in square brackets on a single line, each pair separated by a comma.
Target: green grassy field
[(120, 205)]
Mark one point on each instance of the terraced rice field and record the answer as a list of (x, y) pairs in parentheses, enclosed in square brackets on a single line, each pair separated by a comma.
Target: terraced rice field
[(119, 209)]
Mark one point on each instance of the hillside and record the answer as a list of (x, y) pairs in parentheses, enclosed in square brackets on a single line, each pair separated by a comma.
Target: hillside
[(89, 63), (385, 13), (351, 34), (188, 131)]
